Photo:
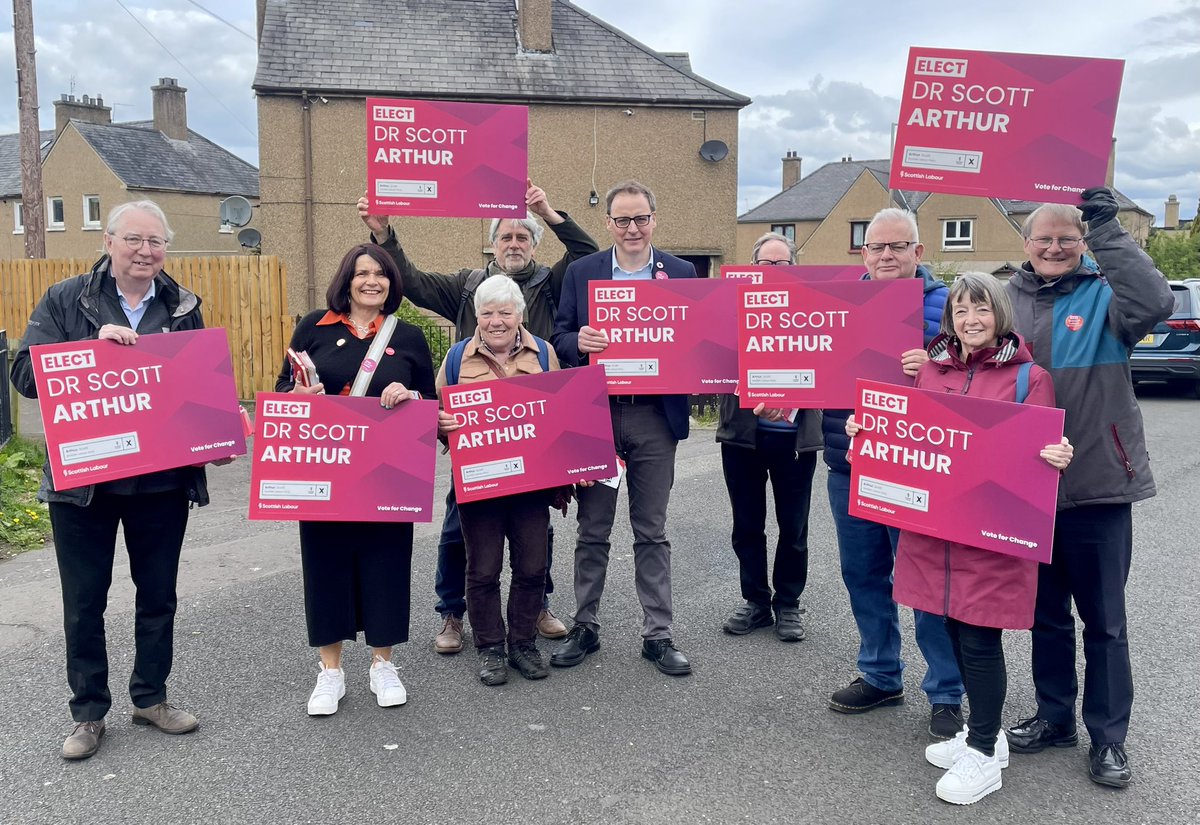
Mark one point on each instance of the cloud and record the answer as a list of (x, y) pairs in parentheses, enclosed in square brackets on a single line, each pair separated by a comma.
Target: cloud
[(823, 122), (111, 56)]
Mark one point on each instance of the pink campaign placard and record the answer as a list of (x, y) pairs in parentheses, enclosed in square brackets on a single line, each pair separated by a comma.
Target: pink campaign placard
[(447, 159), (337, 458), (532, 432), (803, 345), (667, 336), (113, 411), (792, 274), (991, 124), (958, 468)]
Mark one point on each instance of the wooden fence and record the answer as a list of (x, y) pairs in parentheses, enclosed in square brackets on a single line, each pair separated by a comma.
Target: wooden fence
[(245, 294)]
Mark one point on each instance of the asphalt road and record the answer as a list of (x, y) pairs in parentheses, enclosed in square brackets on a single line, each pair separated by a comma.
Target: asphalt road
[(747, 738)]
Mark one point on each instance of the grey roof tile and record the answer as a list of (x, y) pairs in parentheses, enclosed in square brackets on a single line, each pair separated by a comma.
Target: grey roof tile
[(812, 198), (10, 161), (144, 158), (467, 48)]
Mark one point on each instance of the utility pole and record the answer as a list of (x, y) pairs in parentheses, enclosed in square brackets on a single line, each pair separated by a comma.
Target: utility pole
[(33, 208)]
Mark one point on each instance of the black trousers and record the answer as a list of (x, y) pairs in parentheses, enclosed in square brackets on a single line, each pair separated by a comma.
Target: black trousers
[(980, 656), (746, 475), (1093, 549), (85, 543)]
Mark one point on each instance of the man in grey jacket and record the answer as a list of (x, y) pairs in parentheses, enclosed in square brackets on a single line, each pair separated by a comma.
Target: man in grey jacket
[(452, 296), (1081, 323)]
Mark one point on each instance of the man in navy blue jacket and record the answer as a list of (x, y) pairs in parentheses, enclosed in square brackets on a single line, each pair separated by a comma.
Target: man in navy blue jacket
[(646, 429), (867, 549)]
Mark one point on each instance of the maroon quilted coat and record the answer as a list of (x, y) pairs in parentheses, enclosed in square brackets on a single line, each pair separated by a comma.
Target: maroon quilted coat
[(979, 587)]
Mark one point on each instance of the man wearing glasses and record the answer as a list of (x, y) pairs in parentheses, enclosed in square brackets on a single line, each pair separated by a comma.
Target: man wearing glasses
[(757, 445), (126, 295), (867, 549), (646, 429), (1081, 325)]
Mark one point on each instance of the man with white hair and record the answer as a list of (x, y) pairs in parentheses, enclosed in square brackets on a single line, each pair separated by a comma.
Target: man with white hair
[(1082, 318), (125, 296), (514, 242), (892, 250)]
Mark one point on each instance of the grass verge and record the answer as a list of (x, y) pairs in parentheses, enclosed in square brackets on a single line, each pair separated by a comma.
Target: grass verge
[(24, 521)]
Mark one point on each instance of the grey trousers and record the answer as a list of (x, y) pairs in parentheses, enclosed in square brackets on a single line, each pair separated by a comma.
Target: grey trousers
[(644, 440)]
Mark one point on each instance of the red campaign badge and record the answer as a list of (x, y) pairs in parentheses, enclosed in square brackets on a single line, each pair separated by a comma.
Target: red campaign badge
[(390, 351), (1074, 322), (368, 365), (659, 273)]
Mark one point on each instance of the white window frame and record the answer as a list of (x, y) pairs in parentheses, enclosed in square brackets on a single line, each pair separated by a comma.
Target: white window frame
[(863, 240), (88, 222), (51, 224), (958, 242), (787, 230), (18, 218)]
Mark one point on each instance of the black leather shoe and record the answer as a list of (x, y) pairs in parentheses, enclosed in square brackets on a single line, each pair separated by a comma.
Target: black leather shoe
[(945, 721), (665, 657), (1108, 765), (747, 618), (1035, 735), (861, 696), (581, 641)]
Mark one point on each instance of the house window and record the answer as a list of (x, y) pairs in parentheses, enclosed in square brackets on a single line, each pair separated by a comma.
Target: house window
[(55, 214), (787, 230), (858, 235), (91, 211), (958, 234), (18, 218)]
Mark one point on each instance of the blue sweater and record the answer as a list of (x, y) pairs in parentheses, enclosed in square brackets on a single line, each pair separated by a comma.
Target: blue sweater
[(833, 423)]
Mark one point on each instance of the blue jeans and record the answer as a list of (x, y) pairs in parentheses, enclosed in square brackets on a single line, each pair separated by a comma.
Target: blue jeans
[(868, 554), (450, 580)]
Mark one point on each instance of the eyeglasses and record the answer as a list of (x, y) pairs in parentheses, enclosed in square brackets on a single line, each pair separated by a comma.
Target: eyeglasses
[(1063, 243), (623, 221), (135, 242), (765, 262), (895, 246)]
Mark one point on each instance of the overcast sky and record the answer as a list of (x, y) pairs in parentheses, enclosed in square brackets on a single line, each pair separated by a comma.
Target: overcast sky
[(825, 76)]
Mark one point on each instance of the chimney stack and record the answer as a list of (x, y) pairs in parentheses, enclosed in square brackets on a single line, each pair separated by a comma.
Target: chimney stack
[(791, 169), (1171, 217), (534, 29), (170, 108), (67, 108)]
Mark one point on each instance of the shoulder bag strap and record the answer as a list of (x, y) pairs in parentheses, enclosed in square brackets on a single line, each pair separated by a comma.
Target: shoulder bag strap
[(367, 369)]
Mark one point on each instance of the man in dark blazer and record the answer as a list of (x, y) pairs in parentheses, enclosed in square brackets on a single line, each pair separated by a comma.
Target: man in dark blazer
[(646, 429)]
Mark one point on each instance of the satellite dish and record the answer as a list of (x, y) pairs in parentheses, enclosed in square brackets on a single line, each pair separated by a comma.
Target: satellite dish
[(236, 211), (714, 150), (250, 238)]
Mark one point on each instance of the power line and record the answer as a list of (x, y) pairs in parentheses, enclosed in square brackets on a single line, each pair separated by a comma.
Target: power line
[(216, 16), (186, 69)]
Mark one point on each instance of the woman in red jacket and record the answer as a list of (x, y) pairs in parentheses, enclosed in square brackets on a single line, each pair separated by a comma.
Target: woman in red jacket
[(980, 592)]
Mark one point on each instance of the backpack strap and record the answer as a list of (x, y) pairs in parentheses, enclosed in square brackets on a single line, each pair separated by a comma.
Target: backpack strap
[(1023, 381), (472, 283), (454, 358), (543, 354), (541, 278)]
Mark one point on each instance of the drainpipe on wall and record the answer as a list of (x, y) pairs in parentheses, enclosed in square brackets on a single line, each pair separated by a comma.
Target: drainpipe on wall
[(310, 255)]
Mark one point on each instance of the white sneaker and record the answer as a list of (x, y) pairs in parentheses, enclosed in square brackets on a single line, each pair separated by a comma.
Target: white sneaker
[(973, 777), (386, 685), (331, 687), (945, 754)]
